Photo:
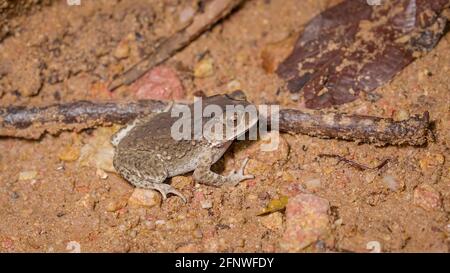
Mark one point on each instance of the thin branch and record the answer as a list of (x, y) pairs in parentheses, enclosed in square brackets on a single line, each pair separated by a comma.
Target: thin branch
[(214, 11), (355, 164), (33, 122)]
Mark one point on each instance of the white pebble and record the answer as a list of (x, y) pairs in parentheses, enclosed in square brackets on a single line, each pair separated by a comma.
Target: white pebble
[(160, 222), (391, 182), (207, 204), (73, 247), (313, 184), (27, 175), (374, 247), (186, 14), (101, 174)]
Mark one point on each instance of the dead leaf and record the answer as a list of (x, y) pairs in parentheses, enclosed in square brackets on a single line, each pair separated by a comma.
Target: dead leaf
[(275, 205), (337, 56)]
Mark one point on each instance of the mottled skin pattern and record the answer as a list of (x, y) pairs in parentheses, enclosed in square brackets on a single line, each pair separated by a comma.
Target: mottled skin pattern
[(146, 155)]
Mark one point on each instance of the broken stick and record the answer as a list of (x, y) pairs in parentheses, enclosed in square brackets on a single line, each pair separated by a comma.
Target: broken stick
[(32, 123), (214, 11)]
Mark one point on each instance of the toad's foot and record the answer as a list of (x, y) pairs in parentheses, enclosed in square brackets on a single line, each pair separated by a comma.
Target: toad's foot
[(204, 175), (165, 189), (235, 177)]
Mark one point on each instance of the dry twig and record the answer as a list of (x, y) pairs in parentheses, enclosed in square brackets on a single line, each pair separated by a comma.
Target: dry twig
[(213, 12)]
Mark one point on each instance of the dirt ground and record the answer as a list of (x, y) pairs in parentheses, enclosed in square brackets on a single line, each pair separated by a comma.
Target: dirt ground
[(52, 203)]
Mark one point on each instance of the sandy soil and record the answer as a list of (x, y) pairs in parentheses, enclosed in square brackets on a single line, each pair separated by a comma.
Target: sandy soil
[(64, 53)]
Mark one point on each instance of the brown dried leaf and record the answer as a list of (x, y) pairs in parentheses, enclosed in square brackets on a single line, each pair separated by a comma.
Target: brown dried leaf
[(354, 47)]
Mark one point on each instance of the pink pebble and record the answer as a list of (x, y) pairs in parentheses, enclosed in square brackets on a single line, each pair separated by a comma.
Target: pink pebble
[(160, 83)]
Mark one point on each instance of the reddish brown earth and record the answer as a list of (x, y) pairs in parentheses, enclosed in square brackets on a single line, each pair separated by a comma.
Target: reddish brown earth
[(63, 53)]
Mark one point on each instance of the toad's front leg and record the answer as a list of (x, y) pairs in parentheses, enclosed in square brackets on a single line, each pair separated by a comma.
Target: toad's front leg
[(204, 175)]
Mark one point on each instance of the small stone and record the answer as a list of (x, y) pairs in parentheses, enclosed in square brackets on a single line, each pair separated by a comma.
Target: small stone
[(73, 247), (233, 85), (401, 115), (27, 175), (160, 83), (133, 233), (313, 184), (370, 177), (101, 174), (186, 15), (240, 242), (273, 221), (373, 246), (122, 50), (204, 68), (69, 153), (392, 183), (144, 198), (198, 234), (426, 197), (307, 221), (160, 222), (338, 222), (206, 204), (98, 151), (115, 205)]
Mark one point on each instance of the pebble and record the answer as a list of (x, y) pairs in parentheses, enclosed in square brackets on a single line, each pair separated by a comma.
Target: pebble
[(115, 205), (98, 151), (392, 183), (204, 68), (370, 177), (426, 197), (313, 184), (101, 174), (373, 246), (160, 222), (273, 221), (401, 115), (307, 221), (73, 247), (198, 234), (160, 83), (206, 204), (233, 85), (186, 15), (144, 198), (122, 50), (69, 153), (27, 175), (133, 233)]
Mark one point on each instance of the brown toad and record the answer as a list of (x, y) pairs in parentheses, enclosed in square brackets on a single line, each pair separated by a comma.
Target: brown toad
[(147, 153)]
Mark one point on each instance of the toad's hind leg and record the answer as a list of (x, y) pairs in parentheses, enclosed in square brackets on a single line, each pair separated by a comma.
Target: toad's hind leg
[(204, 175), (148, 173)]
